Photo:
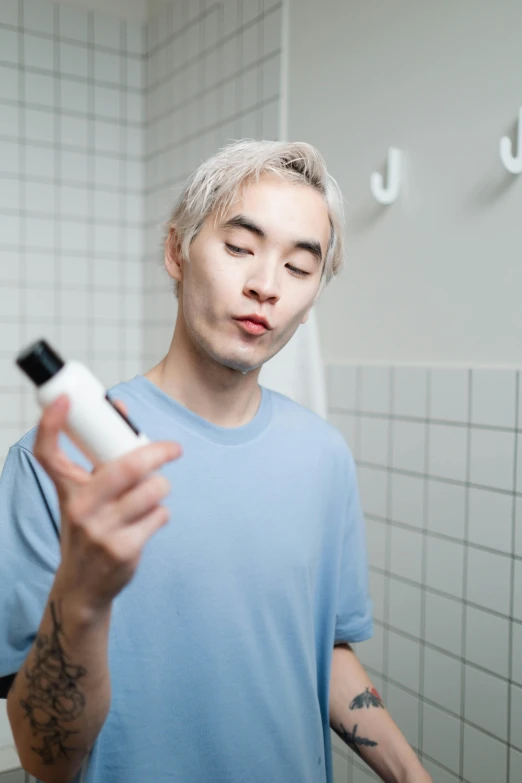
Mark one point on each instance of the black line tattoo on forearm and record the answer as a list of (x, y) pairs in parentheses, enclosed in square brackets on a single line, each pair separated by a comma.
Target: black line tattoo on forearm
[(370, 698), (353, 740), (53, 694)]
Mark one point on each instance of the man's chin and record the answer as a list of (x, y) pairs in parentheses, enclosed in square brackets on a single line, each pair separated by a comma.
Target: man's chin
[(239, 365)]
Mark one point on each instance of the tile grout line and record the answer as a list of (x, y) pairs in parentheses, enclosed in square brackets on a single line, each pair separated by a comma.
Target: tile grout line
[(388, 531), (424, 564), (512, 585)]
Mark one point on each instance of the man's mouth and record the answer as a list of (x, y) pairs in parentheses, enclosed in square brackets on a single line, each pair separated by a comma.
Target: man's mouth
[(251, 326)]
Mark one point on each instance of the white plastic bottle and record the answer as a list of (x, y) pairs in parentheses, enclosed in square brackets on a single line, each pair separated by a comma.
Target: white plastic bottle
[(95, 424)]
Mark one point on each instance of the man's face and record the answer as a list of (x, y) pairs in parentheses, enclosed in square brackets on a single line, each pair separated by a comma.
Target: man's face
[(265, 256)]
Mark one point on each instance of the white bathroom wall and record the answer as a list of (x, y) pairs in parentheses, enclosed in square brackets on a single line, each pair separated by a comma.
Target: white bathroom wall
[(438, 452), (435, 276), (214, 76), (71, 194)]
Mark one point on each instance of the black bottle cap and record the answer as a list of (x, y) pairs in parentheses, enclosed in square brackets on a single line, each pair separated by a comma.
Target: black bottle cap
[(39, 362)]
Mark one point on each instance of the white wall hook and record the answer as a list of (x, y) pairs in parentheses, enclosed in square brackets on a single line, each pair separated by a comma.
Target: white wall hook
[(385, 195), (512, 163)]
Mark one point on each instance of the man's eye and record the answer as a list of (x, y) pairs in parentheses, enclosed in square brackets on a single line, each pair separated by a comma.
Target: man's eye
[(298, 271), (234, 249), (239, 251)]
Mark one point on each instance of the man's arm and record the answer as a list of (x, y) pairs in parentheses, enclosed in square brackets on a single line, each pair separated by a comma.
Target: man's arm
[(61, 696), (359, 717)]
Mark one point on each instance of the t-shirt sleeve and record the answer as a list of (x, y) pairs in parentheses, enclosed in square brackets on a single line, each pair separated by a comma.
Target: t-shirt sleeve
[(29, 552), (354, 618)]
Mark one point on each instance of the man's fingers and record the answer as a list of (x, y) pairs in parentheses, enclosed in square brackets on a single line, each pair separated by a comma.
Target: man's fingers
[(60, 468), (51, 422), (121, 474)]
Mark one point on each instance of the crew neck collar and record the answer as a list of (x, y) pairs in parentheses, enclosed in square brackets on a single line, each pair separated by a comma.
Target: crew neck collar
[(148, 390)]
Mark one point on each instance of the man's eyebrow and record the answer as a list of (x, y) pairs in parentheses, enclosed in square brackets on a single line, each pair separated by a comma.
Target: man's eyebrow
[(241, 221), (312, 246)]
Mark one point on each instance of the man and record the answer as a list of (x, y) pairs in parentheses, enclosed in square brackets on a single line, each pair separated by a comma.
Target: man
[(221, 650)]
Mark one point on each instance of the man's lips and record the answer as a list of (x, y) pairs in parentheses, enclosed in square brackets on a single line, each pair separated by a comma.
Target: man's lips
[(257, 319), (251, 326)]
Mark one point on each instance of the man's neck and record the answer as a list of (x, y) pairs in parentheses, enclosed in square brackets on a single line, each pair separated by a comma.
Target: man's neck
[(226, 406)]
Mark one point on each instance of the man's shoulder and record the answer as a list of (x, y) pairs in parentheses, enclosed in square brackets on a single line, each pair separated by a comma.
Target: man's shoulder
[(318, 429)]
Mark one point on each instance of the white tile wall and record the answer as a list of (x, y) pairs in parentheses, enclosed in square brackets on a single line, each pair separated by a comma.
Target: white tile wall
[(70, 101), (439, 461)]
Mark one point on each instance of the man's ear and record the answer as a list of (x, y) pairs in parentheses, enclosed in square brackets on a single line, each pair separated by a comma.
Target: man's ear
[(173, 258)]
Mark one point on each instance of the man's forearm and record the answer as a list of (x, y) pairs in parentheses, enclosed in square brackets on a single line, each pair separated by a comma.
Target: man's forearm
[(60, 698), (359, 717)]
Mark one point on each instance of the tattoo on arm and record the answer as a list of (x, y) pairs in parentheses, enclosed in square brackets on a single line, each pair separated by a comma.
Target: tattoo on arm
[(370, 698), (53, 695), (353, 740)]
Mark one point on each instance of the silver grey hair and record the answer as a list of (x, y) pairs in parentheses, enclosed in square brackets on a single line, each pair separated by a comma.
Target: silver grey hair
[(215, 185)]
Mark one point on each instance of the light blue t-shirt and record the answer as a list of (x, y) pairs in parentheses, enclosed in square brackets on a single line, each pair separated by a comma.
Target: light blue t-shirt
[(220, 647)]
